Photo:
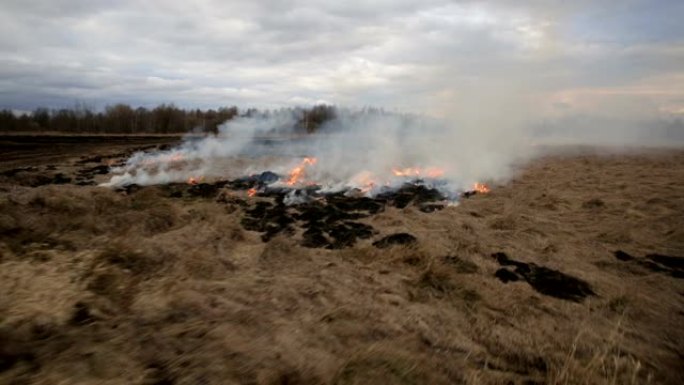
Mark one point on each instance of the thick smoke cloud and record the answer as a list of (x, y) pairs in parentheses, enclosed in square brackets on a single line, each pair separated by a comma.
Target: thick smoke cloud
[(368, 150)]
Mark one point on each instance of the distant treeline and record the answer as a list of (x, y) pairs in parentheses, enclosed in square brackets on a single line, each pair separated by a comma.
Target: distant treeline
[(124, 119)]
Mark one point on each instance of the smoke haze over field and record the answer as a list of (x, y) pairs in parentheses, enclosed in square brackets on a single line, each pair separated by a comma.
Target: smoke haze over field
[(362, 149), (487, 76)]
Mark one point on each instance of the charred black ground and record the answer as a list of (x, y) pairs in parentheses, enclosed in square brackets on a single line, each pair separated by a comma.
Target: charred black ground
[(542, 279), (659, 263), (326, 220)]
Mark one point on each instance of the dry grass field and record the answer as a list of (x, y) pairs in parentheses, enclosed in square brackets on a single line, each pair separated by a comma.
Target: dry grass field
[(141, 286)]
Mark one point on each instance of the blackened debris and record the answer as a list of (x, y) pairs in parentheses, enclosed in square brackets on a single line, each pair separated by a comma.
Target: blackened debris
[(328, 225), (357, 204), (231, 200), (345, 234), (334, 219), (623, 256), (659, 263), (329, 220), (131, 188), (85, 176), (14, 172), (410, 193), (159, 374), (254, 218), (278, 193), (268, 177), (254, 181), (99, 170), (205, 190), (329, 213), (315, 212), (676, 263), (361, 230), (542, 279), (242, 184), (269, 219), (82, 314), (395, 239), (506, 275), (199, 190), (13, 351), (556, 284), (60, 178), (314, 237)]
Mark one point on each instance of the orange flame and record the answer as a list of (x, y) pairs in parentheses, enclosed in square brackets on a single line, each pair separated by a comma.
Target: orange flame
[(409, 171), (193, 181), (366, 180), (432, 172), (481, 188), (367, 188), (251, 192), (298, 172)]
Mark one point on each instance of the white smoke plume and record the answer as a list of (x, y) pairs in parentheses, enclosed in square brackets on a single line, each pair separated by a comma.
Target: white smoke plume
[(200, 158), (364, 149), (371, 150)]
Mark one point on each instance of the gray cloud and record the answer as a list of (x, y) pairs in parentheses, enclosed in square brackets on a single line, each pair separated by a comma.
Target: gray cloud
[(530, 60)]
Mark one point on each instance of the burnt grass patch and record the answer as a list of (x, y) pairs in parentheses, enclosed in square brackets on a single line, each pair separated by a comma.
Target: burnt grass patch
[(544, 280), (325, 226), (269, 219), (657, 263), (328, 220), (416, 194), (14, 351)]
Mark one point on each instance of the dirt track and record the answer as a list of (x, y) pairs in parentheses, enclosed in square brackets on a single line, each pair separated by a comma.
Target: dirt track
[(34, 150), (150, 287)]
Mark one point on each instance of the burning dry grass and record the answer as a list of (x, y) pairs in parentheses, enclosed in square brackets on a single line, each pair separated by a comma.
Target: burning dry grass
[(152, 287)]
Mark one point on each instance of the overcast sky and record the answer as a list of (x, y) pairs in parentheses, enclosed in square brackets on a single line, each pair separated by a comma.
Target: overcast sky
[(438, 57)]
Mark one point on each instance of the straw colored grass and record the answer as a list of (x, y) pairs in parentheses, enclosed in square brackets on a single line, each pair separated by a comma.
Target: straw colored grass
[(100, 286)]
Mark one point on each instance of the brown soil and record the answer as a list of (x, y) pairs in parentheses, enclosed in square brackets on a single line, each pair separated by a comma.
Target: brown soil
[(147, 287)]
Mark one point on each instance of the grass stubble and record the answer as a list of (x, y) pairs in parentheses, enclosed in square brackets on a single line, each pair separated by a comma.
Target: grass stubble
[(100, 286)]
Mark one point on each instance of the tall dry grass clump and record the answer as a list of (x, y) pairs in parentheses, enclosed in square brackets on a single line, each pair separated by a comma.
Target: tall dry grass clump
[(600, 363)]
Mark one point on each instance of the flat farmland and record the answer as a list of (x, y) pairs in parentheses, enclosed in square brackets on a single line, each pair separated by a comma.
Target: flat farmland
[(571, 272)]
